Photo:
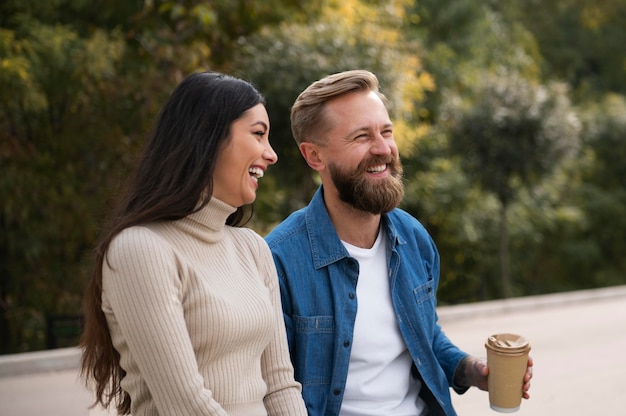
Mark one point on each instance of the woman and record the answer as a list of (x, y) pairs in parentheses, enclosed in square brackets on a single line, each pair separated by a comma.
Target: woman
[(183, 311)]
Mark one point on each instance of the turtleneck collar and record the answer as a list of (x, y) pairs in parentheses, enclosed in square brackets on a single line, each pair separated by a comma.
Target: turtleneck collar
[(208, 223)]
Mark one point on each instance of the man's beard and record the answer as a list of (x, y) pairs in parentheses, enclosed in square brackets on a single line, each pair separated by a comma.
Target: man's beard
[(373, 196)]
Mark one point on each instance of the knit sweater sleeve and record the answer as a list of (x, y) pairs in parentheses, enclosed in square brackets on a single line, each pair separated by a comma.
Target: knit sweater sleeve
[(284, 394), (142, 288)]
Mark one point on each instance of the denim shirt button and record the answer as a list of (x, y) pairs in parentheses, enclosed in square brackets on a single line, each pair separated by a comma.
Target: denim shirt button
[(351, 295), (336, 392), (346, 343)]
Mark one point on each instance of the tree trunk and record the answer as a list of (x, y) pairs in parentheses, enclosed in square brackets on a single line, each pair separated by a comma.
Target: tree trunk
[(505, 269)]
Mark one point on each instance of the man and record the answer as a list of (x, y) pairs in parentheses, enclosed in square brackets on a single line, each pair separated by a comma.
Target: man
[(358, 276)]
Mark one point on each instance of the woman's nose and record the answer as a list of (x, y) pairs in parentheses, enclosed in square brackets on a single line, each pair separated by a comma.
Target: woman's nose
[(270, 155)]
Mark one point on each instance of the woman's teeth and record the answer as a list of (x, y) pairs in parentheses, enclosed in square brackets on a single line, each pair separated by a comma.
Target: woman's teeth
[(256, 172)]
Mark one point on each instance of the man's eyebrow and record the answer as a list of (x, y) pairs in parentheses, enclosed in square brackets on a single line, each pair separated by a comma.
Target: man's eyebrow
[(357, 130), (366, 129)]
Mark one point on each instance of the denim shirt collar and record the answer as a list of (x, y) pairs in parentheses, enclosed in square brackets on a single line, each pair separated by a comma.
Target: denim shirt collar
[(326, 247)]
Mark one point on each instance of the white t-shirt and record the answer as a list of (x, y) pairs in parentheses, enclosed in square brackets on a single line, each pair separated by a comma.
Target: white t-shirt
[(379, 373)]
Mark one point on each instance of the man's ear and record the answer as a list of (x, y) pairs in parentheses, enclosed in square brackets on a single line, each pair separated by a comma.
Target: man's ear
[(311, 154)]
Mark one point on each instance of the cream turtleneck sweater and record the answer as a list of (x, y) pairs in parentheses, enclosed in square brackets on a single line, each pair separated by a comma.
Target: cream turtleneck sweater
[(194, 311)]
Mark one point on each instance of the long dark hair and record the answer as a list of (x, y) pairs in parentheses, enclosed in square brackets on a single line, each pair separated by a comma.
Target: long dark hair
[(173, 179)]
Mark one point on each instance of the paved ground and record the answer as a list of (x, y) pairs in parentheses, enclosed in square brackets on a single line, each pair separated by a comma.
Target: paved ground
[(579, 350), (578, 344)]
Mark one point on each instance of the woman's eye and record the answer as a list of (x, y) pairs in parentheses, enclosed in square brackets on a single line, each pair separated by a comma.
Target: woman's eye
[(260, 133)]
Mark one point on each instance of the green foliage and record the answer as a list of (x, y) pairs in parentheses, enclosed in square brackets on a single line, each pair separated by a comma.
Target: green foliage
[(581, 41), (465, 41), (80, 83), (458, 216), (603, 194), (514, 135), (605, 129), (514, 132), (49, 130), (546, 255)]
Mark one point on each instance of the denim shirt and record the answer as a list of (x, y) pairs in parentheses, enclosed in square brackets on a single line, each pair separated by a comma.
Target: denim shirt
[(318, 290)]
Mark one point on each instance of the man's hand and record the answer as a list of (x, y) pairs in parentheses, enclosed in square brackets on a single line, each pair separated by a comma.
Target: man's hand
[(474, 372)]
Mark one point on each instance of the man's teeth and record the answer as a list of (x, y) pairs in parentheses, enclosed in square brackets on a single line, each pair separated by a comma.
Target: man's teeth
[(377, 169), (256, 172)]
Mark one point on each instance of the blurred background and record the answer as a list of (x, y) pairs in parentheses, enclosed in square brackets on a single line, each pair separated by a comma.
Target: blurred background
[(510, 118)]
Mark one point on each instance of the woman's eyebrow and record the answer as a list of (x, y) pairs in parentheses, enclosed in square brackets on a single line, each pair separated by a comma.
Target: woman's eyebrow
[(260, 123)]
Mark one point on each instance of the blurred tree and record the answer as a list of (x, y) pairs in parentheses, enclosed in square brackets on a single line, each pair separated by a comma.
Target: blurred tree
[(546, 222), (463, 41), (603, 196), (578, 214), (512, 136), (581, 41), (80, 84), (459, 217), (52, 154)]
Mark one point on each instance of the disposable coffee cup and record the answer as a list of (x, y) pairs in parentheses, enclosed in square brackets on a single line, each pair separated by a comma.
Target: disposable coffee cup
[(507, 359)]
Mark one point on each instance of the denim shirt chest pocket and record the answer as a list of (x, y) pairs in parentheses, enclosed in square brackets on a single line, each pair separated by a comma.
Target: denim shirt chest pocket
[(425, 293), (314, 336), (425, 302)]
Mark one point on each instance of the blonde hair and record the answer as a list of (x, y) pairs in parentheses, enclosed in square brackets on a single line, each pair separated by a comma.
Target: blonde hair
[(307, 112)]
